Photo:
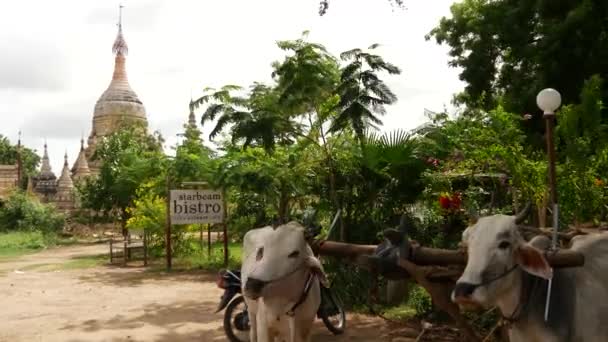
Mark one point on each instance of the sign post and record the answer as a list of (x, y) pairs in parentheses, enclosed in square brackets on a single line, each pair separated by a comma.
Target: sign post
[(199, 206), (209, 241), (168, 226), (224, 214)]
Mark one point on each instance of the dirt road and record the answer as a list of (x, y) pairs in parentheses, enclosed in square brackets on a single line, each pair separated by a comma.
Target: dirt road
[(106, 303)]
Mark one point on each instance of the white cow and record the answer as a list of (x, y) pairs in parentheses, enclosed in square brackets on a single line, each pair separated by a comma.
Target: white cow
[(279, 271), (504, 270)]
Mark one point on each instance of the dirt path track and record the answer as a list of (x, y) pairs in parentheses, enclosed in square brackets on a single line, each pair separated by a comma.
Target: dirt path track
[(121, 304)]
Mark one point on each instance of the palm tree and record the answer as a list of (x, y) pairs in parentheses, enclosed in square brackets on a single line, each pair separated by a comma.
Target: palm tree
[(363, 94), (255, 119)]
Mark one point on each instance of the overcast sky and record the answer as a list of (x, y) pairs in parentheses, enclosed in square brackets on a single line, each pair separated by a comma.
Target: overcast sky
[(56, 57)]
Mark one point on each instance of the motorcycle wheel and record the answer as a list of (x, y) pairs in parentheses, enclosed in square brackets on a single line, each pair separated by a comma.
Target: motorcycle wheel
[(331, 303), (229, 320)]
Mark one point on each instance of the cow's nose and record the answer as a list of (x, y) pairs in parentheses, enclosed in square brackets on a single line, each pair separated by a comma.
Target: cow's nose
[(254, 285), (463, 290)]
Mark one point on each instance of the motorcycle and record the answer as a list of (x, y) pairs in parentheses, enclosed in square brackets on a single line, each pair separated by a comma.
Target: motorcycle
[(236, 319)]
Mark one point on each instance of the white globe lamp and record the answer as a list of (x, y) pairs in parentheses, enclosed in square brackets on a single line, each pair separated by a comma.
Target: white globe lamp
[(548, 100)]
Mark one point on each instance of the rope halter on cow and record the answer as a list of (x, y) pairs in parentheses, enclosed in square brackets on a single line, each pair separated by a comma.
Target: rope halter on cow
[(303, 296)]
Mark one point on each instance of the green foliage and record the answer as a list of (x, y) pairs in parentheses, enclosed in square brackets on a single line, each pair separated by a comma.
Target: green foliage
[(193, 160), (480, 142), (129, 157), (19, 242), (582, 136), (201, 259), (21, 212), (420, 301), (9, 155), (363, 94), (509, 50), (278, 180), (149, 212), (527, 37)]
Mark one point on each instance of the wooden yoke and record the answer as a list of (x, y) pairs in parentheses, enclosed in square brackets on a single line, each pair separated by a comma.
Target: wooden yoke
[(435, 269), (432, 256)]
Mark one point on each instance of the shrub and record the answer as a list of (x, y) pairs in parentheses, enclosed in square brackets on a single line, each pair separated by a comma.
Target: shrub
[(149, 213), (22, 212), (420, 301)]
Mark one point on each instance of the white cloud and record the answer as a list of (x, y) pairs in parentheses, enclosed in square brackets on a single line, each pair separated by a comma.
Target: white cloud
[(64, 60)]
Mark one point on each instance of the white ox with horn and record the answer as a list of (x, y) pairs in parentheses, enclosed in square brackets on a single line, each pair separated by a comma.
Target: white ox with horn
[(281, 283), (505, 271)]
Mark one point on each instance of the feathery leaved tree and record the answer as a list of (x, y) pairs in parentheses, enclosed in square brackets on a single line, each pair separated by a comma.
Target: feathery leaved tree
[(254, 120), (363, 94)]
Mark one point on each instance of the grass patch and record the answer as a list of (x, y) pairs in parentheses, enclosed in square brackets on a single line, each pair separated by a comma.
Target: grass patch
[(15, 244), (76, 263), (18, 243), (214, 261), (88, 261), (401, 313), (200, 259)]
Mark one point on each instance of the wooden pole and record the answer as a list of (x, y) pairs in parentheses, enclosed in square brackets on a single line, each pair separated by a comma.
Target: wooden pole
[(209, 241), (168, 226), (225, 226), (435, 256), (549, 120), (201, 237)]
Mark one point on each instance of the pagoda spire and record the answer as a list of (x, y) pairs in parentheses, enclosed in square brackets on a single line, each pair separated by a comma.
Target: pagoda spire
[(120, 45), (120, 49), (81, 166), (46, 165), (191, 116), (65, 180)]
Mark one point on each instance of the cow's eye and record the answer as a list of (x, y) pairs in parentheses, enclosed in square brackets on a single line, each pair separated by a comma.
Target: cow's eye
[(293, 254), (260, 254), (504, 245)]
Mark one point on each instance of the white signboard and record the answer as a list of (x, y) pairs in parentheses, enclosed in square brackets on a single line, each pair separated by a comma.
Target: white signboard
[(196, 206)]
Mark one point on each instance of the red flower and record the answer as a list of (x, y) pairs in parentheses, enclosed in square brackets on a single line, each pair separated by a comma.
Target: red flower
[(444, 202)]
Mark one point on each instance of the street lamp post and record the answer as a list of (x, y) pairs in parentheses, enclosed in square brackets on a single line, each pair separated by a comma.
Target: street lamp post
[(548, 100)]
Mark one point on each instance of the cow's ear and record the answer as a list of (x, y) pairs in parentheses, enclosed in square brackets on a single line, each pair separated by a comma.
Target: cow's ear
[(533, 261), (317, 269)]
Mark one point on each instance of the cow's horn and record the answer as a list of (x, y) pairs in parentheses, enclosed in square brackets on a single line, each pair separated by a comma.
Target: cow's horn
[(521, 216)]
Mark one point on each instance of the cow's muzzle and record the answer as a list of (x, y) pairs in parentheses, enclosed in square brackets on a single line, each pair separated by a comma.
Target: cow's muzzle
[(462, 293), (254, 287)]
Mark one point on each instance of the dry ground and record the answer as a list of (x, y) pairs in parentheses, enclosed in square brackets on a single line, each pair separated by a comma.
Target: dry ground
[(107, 303)]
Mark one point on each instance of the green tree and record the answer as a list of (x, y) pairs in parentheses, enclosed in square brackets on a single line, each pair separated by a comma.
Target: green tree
[(129, 157), (280, 178), (583, 136), (511, 49), (256, 119), (9, 155), (363, 94), (193, 160)]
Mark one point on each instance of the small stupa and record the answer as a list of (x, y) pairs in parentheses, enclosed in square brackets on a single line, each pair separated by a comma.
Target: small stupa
[(45, 183), (81, 170), (64, 198)]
